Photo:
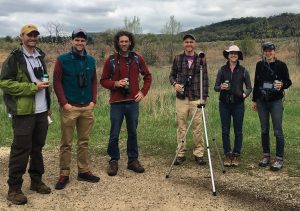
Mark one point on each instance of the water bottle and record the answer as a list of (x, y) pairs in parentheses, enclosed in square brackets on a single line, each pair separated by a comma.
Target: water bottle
[(45, 78)]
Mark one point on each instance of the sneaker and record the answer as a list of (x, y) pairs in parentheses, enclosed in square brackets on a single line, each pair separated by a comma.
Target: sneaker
[(62, 182), (200, 161), (40, 187), (264, 162), (227, 161), (16, 196), (88, 177), (135, 166), (179, 160), (235, 161), (276, 165), (112, 169)]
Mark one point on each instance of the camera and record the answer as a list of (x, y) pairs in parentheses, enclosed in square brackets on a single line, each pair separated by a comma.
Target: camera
[(266, 91), (126, 89), (188, 81), (82, 80), (38, 72)]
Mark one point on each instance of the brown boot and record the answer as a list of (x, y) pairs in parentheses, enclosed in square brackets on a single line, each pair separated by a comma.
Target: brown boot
[(40, 187), (16, 196)]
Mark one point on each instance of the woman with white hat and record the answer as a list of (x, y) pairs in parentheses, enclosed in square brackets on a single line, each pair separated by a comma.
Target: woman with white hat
[(229, 82)]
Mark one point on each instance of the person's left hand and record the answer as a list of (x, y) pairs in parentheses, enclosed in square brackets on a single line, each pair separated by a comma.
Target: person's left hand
[(139, 96), (278, 85)]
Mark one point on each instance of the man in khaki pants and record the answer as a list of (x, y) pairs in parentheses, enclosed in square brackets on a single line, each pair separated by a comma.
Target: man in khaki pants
[(75, 84), (185, 77)]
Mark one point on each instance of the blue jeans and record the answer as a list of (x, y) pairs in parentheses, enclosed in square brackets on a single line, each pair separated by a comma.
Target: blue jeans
[(275, 108), (129, 110), (237, 112)]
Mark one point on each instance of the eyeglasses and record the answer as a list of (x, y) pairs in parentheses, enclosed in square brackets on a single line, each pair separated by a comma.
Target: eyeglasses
[(32, 34)]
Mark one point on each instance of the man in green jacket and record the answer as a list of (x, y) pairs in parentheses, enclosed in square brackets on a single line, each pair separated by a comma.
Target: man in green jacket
[(27, 99)]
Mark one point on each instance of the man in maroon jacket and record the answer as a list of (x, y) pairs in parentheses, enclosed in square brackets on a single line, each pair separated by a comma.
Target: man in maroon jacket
[(121, 76)]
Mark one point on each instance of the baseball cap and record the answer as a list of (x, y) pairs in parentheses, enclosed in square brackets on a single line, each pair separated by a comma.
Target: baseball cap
[(268, 46), (189, 36), (79, 32), (29, 28)]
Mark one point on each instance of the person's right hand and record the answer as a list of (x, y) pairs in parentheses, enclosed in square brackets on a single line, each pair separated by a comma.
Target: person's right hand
[(224, 86), (120, 83), (178, 87), (67, 106), (254, 107), (42, 85)]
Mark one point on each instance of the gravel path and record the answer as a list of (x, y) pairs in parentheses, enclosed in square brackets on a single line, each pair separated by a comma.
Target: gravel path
[(188, 188)]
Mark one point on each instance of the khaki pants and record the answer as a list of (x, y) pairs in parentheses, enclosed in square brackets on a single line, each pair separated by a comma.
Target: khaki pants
[(184, 109), (83, 119)]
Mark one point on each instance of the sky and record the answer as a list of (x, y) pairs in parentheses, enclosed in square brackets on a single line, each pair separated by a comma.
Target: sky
[(101, 15)]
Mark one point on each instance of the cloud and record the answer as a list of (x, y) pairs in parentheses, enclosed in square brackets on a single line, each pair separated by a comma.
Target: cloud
[(101, 15)]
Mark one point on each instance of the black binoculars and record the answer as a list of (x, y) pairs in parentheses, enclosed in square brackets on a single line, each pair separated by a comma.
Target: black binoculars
[(82, 80)]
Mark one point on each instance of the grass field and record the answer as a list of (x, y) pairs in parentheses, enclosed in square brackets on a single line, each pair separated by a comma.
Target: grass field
[(157, 128)]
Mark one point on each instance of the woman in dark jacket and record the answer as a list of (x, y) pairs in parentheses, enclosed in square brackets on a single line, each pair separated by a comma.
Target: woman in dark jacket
[(229, 82)]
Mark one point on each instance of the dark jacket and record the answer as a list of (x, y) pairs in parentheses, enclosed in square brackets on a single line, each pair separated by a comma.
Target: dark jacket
[(125, 70), (237, 79), (180, 72), (265, 72), (18, 89), (70, 69)]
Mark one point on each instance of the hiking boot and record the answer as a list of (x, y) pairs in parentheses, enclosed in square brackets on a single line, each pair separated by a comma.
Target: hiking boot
[(179, 160), (264, 162), (112, 169), (227, 161), (135, 166), (200, 161), (40, 187), (16, 196), (62, 182), (277, 165), (235, 161), (88, 177)]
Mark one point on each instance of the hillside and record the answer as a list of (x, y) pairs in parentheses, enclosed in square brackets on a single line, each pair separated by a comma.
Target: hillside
[(283, 25)]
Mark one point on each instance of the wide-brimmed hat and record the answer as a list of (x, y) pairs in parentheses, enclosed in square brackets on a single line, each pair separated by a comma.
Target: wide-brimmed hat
[(79, 32), (231, 49), (29, 28)]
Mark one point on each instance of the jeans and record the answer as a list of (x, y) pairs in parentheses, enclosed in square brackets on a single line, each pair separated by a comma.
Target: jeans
[(237, 112), (129, 110), (30, 133), (275, 108)]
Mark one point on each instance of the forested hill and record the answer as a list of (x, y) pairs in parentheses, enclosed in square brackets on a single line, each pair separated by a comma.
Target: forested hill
[(283, 25)]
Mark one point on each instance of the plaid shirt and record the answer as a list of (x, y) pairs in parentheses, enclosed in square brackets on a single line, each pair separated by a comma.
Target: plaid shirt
[(180, 72)]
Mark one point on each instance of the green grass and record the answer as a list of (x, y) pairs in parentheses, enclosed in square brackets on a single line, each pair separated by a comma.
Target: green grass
[(157, 128)]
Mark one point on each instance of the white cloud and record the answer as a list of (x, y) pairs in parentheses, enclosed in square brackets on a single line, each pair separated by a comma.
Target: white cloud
[(100, 15)]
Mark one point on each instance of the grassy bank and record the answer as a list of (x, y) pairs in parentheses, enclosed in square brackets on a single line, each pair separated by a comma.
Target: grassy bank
[(157, 128)]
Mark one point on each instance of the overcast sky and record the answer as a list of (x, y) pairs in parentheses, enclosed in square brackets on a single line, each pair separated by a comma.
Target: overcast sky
[(100, 15)]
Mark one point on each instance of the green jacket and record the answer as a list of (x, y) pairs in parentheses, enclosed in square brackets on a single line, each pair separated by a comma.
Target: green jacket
[(18, 89)]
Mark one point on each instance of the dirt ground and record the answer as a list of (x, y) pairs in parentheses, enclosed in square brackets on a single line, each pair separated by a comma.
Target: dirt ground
[(188, 188)]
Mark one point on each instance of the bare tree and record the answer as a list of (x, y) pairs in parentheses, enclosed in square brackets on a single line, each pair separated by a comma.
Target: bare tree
[(171, 28), (55, 30), (133, 26)]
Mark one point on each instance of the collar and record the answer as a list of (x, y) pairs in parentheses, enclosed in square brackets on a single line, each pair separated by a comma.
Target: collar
[(27, 54)]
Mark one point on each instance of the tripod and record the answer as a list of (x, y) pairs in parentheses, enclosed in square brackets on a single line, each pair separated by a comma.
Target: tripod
[(201, 106)]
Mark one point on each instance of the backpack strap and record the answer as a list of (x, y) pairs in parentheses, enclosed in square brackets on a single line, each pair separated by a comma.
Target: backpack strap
[(113, 63)]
